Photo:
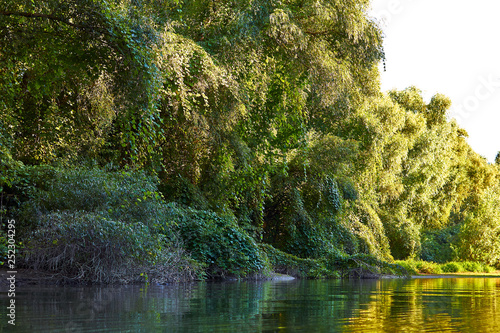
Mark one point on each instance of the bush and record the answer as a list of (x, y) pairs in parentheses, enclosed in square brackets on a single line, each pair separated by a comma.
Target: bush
[(303, 216), (437, 245), (452, 267), (487, 268), (342, 238), (305, 240), (286, 263), (366, 265), (182, 191), (94, 225), (420, 267), (217, 242), (127, 196), (409, 265), (473, 266), (332, 265), (88, 247), (404, 236), (427, 267)]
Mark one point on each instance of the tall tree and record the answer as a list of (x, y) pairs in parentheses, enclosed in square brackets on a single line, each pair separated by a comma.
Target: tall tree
[(74, 71)]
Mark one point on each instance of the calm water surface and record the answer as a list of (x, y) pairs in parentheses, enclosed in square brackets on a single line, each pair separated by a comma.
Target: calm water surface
[(416, 305)]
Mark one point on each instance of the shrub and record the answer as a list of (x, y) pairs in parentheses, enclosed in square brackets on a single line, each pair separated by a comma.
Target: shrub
[(366, 265), (409, 265), (216, 241), (286, 263), (420, 267), (93, 225), (88, 247), (404, 236), (342, 238), (437, 245), (182, 191), (452, 267), (332, 265), (303, 215), (428, 267), (487, 268), (305, 240), (472, 266), (108, 203), (127, 196)]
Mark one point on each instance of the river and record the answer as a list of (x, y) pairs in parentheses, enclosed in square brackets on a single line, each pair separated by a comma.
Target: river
[(385, 305)]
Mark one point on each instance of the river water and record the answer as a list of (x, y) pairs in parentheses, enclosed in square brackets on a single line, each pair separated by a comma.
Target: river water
[(386, 305)]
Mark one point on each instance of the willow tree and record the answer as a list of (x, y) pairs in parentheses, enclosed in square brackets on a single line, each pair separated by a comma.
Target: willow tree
[(289, 69)]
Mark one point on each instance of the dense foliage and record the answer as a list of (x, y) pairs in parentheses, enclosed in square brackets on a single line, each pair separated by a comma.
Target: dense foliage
[(262, 120)]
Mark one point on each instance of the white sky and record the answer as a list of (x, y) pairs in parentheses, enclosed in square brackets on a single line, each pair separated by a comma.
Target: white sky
[(450, 47)]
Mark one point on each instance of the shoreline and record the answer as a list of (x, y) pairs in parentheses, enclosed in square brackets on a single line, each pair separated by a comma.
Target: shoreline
[(25, 276), (495, 274)]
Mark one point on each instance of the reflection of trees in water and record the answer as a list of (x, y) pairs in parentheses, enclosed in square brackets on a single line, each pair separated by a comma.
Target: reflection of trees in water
[(462, 304), (334, 305), (306, 305), (76, 309)]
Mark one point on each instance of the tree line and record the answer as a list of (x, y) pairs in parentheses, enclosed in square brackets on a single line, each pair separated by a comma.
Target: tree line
[(269, 112)]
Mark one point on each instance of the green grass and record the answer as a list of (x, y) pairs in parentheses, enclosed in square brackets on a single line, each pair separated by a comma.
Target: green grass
[(417, 267)]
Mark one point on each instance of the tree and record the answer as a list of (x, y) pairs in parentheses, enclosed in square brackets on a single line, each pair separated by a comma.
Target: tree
[(74, 72), (290, 69)]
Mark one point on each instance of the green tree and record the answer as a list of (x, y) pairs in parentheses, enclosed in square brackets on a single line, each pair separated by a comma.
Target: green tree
[(479, 236), (76, 72)]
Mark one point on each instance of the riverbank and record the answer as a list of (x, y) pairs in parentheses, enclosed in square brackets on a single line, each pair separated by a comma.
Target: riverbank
[(495, 274), (32, 277), (28, 277), (421, 267), (25, 276)]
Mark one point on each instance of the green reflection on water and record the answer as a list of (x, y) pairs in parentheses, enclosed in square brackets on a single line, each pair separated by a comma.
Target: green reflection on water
[(418, 305)]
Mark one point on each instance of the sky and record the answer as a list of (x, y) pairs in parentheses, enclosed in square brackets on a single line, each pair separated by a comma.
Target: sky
[(450, 47)]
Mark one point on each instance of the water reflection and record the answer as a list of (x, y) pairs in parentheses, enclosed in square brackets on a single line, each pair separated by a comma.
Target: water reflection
[(423, 305)]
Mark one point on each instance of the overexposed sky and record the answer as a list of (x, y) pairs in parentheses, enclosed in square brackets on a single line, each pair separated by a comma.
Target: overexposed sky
[(450, 47)]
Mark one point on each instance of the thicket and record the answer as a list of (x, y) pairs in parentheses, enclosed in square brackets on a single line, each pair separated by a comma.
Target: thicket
[(93, 225), (247, 124)]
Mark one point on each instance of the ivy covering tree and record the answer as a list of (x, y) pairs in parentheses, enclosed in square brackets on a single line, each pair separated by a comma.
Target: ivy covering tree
[(254, 129)]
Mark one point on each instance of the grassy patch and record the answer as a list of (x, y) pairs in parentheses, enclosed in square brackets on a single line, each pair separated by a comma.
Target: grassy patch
[(417, 267)]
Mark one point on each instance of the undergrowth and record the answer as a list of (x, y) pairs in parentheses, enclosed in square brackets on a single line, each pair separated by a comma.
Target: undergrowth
[(334, 265), (93, 225), (428, 267)]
